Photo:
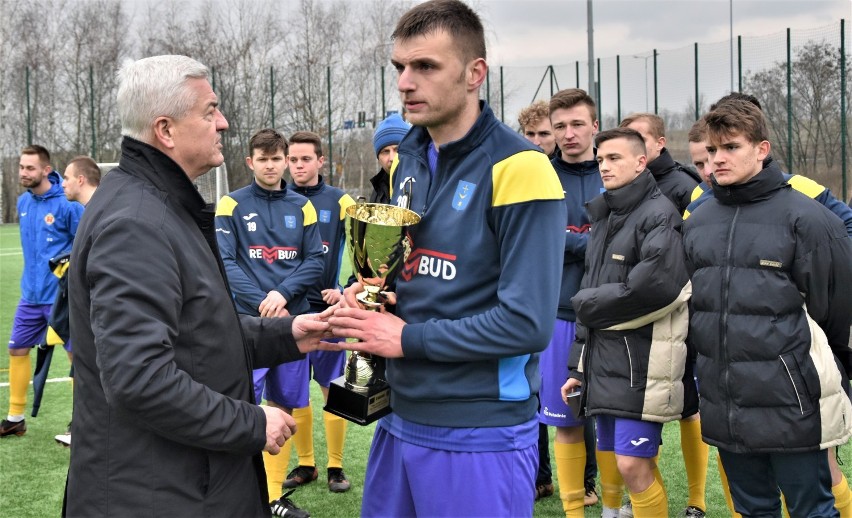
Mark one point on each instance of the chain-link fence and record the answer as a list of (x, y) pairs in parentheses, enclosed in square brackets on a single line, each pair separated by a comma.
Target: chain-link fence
[(801, 78)]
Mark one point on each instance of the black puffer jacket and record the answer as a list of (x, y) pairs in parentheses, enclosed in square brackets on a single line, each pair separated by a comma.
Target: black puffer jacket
[(772, 272), (633, 306), (675, 180)]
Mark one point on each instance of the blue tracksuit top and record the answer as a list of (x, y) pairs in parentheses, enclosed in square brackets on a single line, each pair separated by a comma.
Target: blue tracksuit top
[(330, 204), (479, 290), (581, 182), (48, 223), (269, 240)]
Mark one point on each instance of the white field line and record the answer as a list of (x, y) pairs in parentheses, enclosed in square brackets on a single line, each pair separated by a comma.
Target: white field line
[(50, 380)]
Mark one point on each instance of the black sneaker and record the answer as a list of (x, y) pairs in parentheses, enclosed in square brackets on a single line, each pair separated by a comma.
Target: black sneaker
[(286, 508), (337, 481), (300, 475), (591, 496), (693, 512), (543, 491), (8, 428)]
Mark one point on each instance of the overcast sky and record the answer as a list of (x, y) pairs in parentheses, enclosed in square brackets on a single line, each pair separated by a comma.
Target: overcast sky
[(541, 32)]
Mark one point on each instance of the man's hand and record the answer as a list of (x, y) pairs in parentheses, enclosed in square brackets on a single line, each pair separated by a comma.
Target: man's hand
[(378, 332), (308, 331), (280, 426), (331, 296), (570, 386), (273, 306)]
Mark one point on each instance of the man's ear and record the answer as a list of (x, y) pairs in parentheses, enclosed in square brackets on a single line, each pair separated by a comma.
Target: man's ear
[(763, 150), (164, 132), (477, 70), (662, 142)]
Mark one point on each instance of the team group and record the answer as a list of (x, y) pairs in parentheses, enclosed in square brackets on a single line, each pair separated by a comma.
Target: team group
[(598, 287)]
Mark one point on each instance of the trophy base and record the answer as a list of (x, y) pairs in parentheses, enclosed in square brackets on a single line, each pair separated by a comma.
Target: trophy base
[(360, 407)]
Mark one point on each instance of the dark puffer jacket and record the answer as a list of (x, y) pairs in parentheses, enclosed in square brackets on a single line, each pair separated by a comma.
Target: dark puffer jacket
[(633, 306), (771, 277), (674, 180)]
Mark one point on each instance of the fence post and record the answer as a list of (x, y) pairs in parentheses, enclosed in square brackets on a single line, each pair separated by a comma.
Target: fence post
[(488, 86), (844, 135), (29, 115), (697, 100), (656, 99), (789, 103), (740, 63), (577, 72), (272, 94), (213, 78), (598, 88), (502, 106), (92, 112), (330, 131), (384, 109), (618, 86)]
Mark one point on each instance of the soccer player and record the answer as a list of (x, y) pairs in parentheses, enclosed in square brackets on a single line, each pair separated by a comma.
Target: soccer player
[(477, 295), (305, 159), (48, 222)]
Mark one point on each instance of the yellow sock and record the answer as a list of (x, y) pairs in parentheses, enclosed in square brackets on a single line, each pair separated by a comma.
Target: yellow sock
[(20, 371), (335, 435), (304, 436), (612, 485), (843, 498), (695, 454), (726, 489), (570, 464), (650, 503), (276, 470), (657, 475)]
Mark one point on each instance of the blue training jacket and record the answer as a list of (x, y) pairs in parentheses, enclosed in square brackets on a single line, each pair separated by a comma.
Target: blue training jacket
[(480, 287), (269, 240), (330, 204), (48, 223), (581, 182)]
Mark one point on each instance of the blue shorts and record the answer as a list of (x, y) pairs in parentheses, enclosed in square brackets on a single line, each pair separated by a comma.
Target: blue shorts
[(629, 437), (288, 384), (553, 368), (404, 479), (30, 325)]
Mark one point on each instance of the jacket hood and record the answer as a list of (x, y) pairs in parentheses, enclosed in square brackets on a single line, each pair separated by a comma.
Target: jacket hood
[(624, 199), (55, 187)]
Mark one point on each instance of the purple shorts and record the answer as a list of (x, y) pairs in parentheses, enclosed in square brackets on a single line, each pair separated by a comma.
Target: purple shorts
[(288, 384), (553, 368), (30, 325), (404, 479), (629, 437)]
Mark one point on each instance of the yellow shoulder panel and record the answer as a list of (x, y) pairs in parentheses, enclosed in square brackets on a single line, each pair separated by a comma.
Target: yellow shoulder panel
[(525, 176), (345, 201), (309, 213), (696, 193), (226, 206), (806, 186), (392, 171)]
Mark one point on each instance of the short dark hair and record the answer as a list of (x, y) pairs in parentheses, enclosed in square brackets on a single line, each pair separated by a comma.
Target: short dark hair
[(631, 135), (698, 131), (41, 151), (307, 137), (455, 17), (737, 96), (568, 98), (88, 168), (736, 117), (267, 140), (655, 123)]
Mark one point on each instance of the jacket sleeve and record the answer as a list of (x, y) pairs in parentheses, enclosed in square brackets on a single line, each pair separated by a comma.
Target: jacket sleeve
[(227, 231), (270, 340), (578, 352), (655, 282), (528, 217), (837, 207), (309, 271), (575, 246), (135, 315), (824, 275)]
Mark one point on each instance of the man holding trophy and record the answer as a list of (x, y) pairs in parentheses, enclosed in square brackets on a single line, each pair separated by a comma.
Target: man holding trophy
[(477, 288)]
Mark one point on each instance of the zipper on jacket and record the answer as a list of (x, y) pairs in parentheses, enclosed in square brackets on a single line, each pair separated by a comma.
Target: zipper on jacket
[(723, 322), (795, 388), (629, 360)]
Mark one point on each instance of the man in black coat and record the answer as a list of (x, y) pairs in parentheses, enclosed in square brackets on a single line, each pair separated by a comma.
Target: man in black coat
[(770, 322), (164, 421)]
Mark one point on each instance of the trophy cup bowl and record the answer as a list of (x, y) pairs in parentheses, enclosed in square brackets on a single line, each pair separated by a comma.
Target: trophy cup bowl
[(378, 248)]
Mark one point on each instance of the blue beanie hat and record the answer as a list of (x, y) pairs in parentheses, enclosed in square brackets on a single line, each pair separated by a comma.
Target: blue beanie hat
[(389, 132)]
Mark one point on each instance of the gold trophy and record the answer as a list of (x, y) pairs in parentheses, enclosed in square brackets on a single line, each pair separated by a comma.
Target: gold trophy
[(378, 249)]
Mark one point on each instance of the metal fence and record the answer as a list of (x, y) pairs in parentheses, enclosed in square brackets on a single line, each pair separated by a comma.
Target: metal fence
[(801, 77)]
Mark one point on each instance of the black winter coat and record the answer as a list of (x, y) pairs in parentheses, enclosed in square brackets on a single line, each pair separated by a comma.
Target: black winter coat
[(632, 306), (164, 421), (771, 274), (675, 180)]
